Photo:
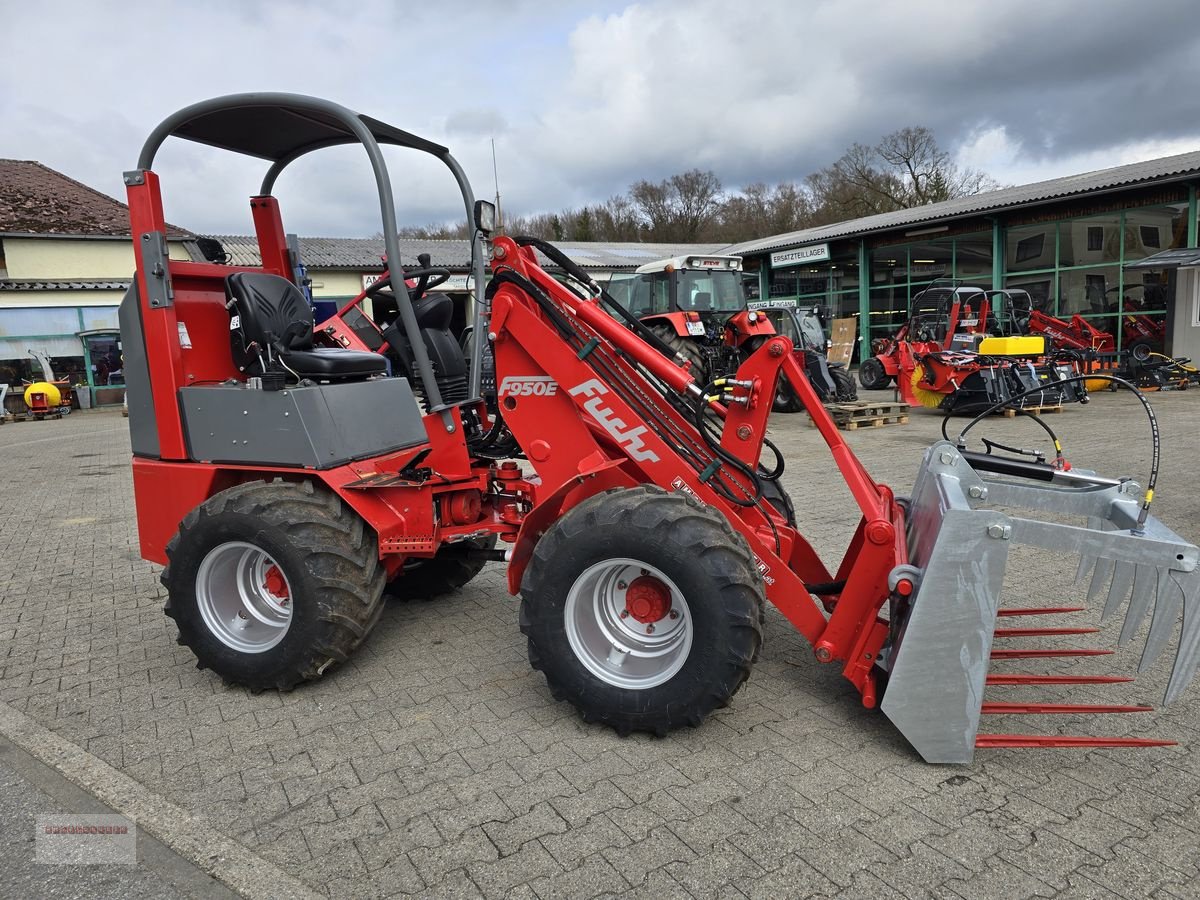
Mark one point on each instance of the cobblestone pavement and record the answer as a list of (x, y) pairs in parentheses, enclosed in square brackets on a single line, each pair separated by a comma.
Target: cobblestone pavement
[(437, 763)]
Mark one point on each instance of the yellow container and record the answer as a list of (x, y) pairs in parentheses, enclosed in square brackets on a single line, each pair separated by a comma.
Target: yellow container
[(53, 397), (1025, 345)]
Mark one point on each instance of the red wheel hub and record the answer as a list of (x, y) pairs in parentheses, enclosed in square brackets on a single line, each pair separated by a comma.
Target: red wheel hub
[(648, 599), (276, 583)]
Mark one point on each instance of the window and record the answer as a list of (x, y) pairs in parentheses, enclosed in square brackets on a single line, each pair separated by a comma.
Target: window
[(1150, 237), (1095, 238), (1030, 248)]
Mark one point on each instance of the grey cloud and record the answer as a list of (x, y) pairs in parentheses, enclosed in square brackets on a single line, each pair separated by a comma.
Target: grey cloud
[(584, 99)]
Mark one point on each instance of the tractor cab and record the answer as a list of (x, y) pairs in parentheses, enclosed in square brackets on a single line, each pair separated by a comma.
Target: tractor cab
[(687, 301)]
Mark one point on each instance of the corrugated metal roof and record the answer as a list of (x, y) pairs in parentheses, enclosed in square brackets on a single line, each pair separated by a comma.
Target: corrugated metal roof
[(1164, 168), (365, 253), (33, 285)]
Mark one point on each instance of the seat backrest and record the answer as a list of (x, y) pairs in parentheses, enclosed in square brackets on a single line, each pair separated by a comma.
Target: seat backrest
[(269, 307), (702, 300)]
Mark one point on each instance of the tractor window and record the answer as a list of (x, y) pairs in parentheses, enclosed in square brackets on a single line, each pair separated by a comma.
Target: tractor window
[(639, 293), (705, 291), (811, 331), (784, 324)]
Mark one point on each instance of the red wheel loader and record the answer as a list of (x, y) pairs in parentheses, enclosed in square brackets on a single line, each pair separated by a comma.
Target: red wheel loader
[(285, 479)]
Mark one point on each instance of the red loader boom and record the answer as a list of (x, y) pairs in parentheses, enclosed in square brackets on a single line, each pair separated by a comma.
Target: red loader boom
[(289, 482)]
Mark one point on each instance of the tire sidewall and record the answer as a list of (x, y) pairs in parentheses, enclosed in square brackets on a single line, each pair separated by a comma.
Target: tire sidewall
[(306, 608), (688, 685)]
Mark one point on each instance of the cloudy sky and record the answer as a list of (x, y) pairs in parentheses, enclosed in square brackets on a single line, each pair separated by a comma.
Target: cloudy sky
[(583, 98)]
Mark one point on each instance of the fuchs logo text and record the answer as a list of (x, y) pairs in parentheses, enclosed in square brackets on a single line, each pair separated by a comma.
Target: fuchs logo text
[(528, 386), (629, 438)]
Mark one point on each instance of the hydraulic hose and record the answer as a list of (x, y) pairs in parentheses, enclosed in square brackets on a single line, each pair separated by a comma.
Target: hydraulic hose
[(1155, 435)]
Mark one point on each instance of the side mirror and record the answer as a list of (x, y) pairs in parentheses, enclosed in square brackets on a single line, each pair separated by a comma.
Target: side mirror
[(485, 216)]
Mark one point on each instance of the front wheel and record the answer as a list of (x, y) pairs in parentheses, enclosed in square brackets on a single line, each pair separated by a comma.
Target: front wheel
[(786, 400), (843, 385), (872, 375), (643, 609)]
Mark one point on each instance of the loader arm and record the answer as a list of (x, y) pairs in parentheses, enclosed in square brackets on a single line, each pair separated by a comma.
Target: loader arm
[(611, 403)]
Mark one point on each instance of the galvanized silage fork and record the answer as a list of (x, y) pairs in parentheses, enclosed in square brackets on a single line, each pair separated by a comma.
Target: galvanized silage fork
[(942, 641)]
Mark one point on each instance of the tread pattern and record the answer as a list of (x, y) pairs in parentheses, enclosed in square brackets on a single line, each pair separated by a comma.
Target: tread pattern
[(342, 569), (685, 348), (712, 546)]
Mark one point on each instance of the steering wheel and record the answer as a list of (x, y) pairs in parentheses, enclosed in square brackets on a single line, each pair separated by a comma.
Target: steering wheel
[(427, 278)]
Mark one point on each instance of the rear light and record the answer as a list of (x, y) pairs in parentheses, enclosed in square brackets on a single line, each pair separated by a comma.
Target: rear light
[(692, 316)]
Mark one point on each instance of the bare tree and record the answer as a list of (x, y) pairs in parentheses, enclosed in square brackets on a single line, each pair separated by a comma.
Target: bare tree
[(906, 168), (679, 208), (759, 210)]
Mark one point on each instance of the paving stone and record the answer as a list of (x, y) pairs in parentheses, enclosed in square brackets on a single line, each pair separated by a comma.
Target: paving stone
[(413, 767), (512, 834), (659, 848), (593, 877)]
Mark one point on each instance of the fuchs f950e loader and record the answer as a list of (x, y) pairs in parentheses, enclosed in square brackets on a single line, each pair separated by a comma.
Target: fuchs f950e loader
[(285, 478)]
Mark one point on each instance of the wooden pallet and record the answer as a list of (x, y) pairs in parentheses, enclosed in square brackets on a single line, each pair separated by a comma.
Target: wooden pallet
[(1035, 410), (866, 414)]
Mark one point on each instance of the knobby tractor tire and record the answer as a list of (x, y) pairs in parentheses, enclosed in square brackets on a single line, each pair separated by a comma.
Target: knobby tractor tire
[(449, 570), (309, 562), (572, 602), (786, 400), (686, 348), (843, 383), (872, 375)]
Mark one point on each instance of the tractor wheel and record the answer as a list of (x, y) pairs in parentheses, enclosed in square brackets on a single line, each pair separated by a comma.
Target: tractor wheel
[(643, 608), (685, 348), (844, 390), (774, 493), (872, 375), (450, 569), (1141, 350), (786, 400), (273, 584)]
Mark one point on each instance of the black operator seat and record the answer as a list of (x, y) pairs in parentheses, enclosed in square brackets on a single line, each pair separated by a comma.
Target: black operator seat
[(272, 313)]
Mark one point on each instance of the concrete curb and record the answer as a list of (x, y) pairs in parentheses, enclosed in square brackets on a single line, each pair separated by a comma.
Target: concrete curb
[(192, 838)]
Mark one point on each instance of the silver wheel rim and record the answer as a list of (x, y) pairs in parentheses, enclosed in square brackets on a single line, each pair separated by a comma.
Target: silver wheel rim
[(235, 601), (623, 651)]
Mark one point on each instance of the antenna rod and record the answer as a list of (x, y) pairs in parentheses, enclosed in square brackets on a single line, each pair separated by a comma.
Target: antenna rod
[(496, 180)]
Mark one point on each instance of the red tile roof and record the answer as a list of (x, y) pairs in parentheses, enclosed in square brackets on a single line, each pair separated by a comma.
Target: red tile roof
[(35, 199)]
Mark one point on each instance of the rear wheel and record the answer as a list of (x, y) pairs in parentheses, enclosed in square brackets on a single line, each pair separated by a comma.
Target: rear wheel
[(643, 609), (681, 346), (273, 584), (843, 384), (872, 375), (449, 569)]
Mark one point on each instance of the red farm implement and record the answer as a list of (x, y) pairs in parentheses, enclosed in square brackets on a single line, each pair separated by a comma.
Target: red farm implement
[(286, 475)]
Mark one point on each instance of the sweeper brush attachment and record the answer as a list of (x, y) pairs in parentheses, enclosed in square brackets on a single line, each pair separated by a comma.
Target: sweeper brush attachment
[(963, 520)]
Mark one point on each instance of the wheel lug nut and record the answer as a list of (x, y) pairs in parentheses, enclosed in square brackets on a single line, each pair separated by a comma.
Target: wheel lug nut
[(674, 614), (645, 571), (624, 614), (241, 614), (649, 629), (621, 585)]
